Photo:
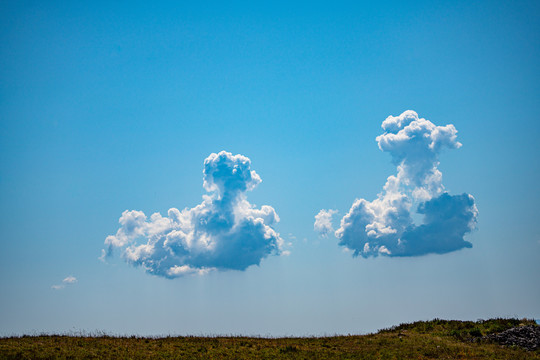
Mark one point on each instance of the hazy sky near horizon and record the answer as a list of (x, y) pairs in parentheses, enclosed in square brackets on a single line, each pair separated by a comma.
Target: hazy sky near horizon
[(112, 107)]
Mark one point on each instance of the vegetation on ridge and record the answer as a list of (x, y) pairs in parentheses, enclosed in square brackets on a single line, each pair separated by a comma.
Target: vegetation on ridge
[(435, 339)]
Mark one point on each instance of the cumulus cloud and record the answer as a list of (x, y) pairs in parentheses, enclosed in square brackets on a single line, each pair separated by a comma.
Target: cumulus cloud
[(385, 226), (70, 280), (224, 232), (323, 222)]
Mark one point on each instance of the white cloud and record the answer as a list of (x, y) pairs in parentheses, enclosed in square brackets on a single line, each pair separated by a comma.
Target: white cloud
[(323, 222), (176, 271), (224, 232), (384, 226), (70, 280)]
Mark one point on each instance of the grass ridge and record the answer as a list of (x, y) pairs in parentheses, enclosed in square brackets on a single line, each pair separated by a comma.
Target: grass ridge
[(433, 339)]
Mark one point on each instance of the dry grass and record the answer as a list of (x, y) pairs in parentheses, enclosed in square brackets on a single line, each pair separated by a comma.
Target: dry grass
[(436, 339)]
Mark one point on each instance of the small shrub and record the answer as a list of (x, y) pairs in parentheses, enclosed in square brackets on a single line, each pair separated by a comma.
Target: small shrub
[(288, 349)]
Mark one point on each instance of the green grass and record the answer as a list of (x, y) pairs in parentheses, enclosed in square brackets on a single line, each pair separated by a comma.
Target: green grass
[(435, 339)]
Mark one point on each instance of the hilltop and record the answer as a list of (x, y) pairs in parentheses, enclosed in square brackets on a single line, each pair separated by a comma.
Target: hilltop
[(435, 339)]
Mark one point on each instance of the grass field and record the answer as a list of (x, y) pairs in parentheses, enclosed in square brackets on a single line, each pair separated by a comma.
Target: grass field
[(436, 339)]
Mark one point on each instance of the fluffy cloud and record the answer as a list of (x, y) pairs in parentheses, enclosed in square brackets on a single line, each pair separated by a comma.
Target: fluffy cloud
[(385, 226), (224, 232), (323, 222), (70, 280)]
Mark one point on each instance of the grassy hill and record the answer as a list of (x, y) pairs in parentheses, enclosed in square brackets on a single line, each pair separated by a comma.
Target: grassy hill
[(436, 339)]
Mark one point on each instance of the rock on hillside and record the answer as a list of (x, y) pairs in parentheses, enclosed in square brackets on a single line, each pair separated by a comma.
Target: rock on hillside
[(527, 337)]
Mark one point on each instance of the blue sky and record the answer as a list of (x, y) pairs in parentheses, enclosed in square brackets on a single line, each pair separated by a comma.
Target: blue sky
[(113, 107)]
